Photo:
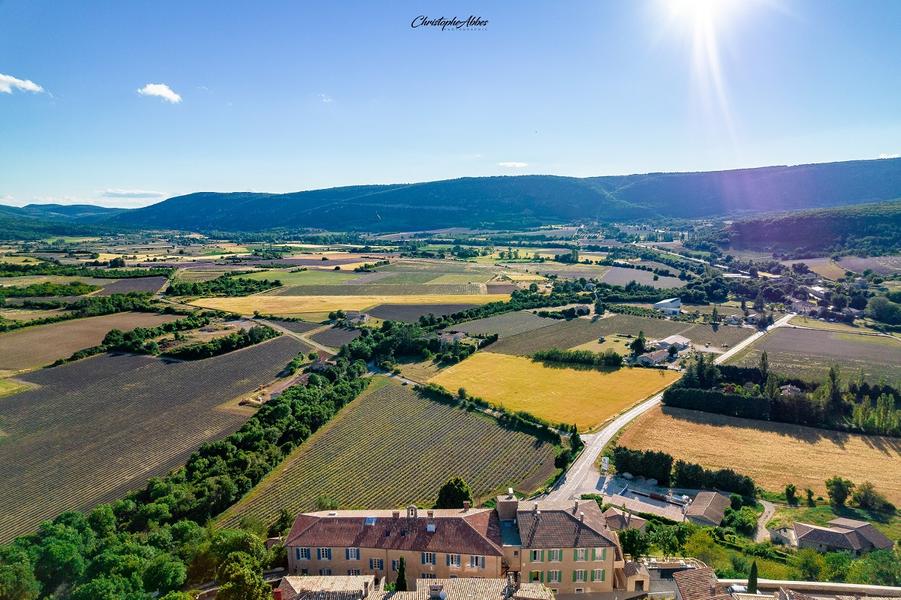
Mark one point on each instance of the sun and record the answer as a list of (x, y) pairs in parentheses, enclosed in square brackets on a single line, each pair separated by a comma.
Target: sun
[(701, 12)]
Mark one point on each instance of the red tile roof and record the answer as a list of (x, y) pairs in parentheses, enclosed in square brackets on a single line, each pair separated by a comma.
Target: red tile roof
[(560, 526)]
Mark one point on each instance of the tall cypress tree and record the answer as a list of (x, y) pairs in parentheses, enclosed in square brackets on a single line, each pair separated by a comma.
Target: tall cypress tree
[(752, 579), (401, 585)]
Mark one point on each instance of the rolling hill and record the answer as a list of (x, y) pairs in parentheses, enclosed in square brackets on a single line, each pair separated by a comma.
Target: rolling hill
[(529, 200)]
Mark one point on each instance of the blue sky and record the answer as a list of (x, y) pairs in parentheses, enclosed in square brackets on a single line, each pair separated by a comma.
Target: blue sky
[(284, 96)]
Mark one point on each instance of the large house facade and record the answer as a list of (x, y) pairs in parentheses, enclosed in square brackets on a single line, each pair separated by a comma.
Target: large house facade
[(567, 547)]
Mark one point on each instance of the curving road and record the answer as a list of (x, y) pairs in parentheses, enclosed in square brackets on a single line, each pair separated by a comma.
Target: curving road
[(583, 476)]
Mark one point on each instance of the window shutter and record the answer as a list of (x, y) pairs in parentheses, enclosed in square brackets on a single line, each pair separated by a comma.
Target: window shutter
[(542, 556), (603, 574), (604, 554), (592, 574), (318, 553), (574, 575), (575, 555), (541, 575)]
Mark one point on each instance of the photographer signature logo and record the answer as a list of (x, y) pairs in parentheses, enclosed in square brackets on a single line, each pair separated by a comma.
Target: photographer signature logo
[(452, 24)]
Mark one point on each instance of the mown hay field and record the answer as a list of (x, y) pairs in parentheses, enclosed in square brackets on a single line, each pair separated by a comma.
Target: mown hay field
[(378, 289), (505, 325), (773, 454), (97, 428), (40, 345), (882, 265), (823, 266), (298, 305), (391, 447), (585, 397), (808, 354)]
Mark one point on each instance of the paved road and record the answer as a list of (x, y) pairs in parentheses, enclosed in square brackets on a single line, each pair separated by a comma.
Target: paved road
[(303, 337), (583, 476), (761, 534)]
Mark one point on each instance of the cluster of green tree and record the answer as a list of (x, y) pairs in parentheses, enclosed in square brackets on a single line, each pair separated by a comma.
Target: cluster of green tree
[(224, 285), (571, 257), (662, 467), (649, 313), (884, 310), (139, 339), (152, 542), (221, 345), (368, 267), (608, 358), (48, 289), (701, 290), (757, 393), (52, 268), (865, 229)]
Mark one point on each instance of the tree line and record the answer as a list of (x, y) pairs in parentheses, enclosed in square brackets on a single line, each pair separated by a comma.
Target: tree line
[(678, 473)]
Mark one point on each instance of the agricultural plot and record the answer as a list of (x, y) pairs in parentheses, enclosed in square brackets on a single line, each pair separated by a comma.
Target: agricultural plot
[(299, 305), (823, 266), (335, 337), (704, 337), (29, 314), (379, 289), (296, 326), (411, 312), (563, 271), (27, 280), (882, 265), (99, 427), (808, 354), (40, 345), (568, 334), (400, 448), (505, 325), (136, 284), (622, 276), (586, 397), (773, 454), (302, 278)]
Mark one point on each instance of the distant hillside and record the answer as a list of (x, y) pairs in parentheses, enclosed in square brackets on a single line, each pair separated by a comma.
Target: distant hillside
[(78, 212), (867, 229), (29, 223), (506, 202)]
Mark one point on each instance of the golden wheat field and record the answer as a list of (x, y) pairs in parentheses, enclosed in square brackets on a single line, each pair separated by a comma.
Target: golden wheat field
[(773, 454), (586, 397), (299, 305)]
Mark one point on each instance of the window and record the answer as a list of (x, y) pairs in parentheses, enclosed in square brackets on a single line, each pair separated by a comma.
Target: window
[(555, 555), (394, 564), (453, 560), (427, 576), (353, 572), (302, 553), (430, 527), (369, 521), (352, 554), (580, 575), (324, 553), (536, 555), (598, 554), (477, 562), (376, 564), (428, 558), (598, 575), (580, 554), (536, 575), (579, 590), (554, 576), (325, 571)]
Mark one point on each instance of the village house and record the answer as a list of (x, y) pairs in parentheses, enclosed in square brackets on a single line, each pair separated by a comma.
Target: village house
[(652, 359), (850, 535), (568, 547), (670, 306), (619, 519), (450, 338)]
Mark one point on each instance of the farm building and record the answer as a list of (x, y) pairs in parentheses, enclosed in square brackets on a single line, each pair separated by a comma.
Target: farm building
[(451, 338), (670, 306), (651, 359), (843, 534), (567, 546), (708, 508), (679, 341)]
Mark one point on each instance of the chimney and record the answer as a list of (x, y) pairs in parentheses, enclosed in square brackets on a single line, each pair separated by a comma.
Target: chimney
[(576, 508), (396, 514), (435, 591), (510, 493), (581, 517), (431, 514), (466, 505), (536, 507)]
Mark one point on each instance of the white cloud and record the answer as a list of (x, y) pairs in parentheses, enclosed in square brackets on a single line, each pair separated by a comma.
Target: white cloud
[(325, 99), (131, 194), (513, 165), (886, 155), (8, 83), (160, 90)]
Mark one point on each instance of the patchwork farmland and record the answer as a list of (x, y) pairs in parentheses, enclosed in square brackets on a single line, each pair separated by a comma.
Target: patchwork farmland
[(505, 325), (47, 343), (586, 397), (400, 448), (97, 428), (808, 354), (773, 454)]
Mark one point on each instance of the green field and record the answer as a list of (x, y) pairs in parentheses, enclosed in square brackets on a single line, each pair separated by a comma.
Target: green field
[(363, 459), (308, 277)]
